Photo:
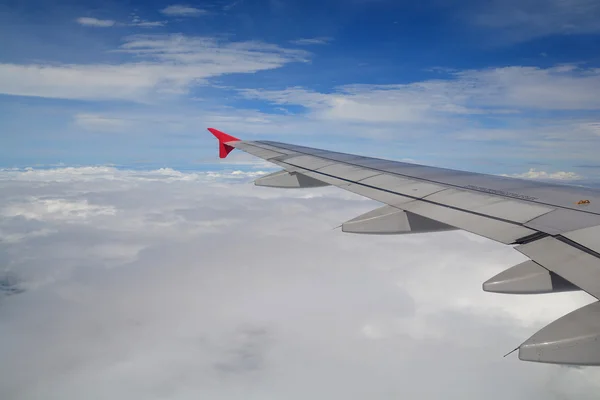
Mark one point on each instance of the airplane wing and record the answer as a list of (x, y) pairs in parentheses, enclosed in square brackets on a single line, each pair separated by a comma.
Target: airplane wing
[(556, 226)]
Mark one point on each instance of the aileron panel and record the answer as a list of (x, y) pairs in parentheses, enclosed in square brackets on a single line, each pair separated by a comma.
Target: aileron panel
[(494, 206), (348, 172), (309, 162), (408, 187), (575, 265)]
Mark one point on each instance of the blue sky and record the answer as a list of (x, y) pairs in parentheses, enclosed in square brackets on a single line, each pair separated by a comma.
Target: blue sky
[(500, 87)]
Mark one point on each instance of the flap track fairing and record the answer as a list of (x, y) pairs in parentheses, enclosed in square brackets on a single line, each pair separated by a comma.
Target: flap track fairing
[(388, 220), (289, 180), (572, 339), (528, 278)]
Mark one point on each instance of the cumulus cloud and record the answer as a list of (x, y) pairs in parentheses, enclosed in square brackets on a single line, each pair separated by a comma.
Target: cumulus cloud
[(558, 175), (194, 285), (168, 65), (95, 22), (178, 10)]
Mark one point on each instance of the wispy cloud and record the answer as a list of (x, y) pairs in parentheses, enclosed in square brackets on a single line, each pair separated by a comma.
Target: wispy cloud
[(96, 122), (231, 5), (95, 22), (106, 23), (527, 109), (312, 41), (137, 21), (524, 20), (505, 91), (168, 65), (591, 166), (148, 24), (178, 10)]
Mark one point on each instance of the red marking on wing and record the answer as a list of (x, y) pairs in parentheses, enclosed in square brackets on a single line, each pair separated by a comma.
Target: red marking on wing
[(224, 148)]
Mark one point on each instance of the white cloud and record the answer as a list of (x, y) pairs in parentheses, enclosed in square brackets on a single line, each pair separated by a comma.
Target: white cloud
[(178, 10), (544, 140), (106, 23), (95, 122), (99, 23), (53, 208), (196, 286), (231, 5), (148, 24), (366, 104), (524, 20), (169, 65), (591, 127), (502, 91), (136, 20), (312, 41), (500, 106), (15, 237), (558, 175), (62, 174), (109, 173), (563, 87)]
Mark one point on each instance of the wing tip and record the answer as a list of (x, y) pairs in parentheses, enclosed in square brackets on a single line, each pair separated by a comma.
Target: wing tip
[(223, 138)]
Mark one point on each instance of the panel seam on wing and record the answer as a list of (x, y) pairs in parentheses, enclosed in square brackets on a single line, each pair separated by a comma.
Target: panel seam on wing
[(415, 198), (440, 183), (577, 245)]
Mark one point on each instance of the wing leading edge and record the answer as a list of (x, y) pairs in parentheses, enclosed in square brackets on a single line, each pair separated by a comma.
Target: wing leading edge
[(556, 226)]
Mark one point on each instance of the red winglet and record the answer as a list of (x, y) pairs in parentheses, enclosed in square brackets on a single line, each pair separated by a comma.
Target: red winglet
[(224, 148)]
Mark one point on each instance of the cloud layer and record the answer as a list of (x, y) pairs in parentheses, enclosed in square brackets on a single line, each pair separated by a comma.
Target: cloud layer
[(154, 284)]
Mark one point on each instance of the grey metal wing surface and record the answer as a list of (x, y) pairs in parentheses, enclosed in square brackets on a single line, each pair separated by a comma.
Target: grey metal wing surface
[(556, 226)]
